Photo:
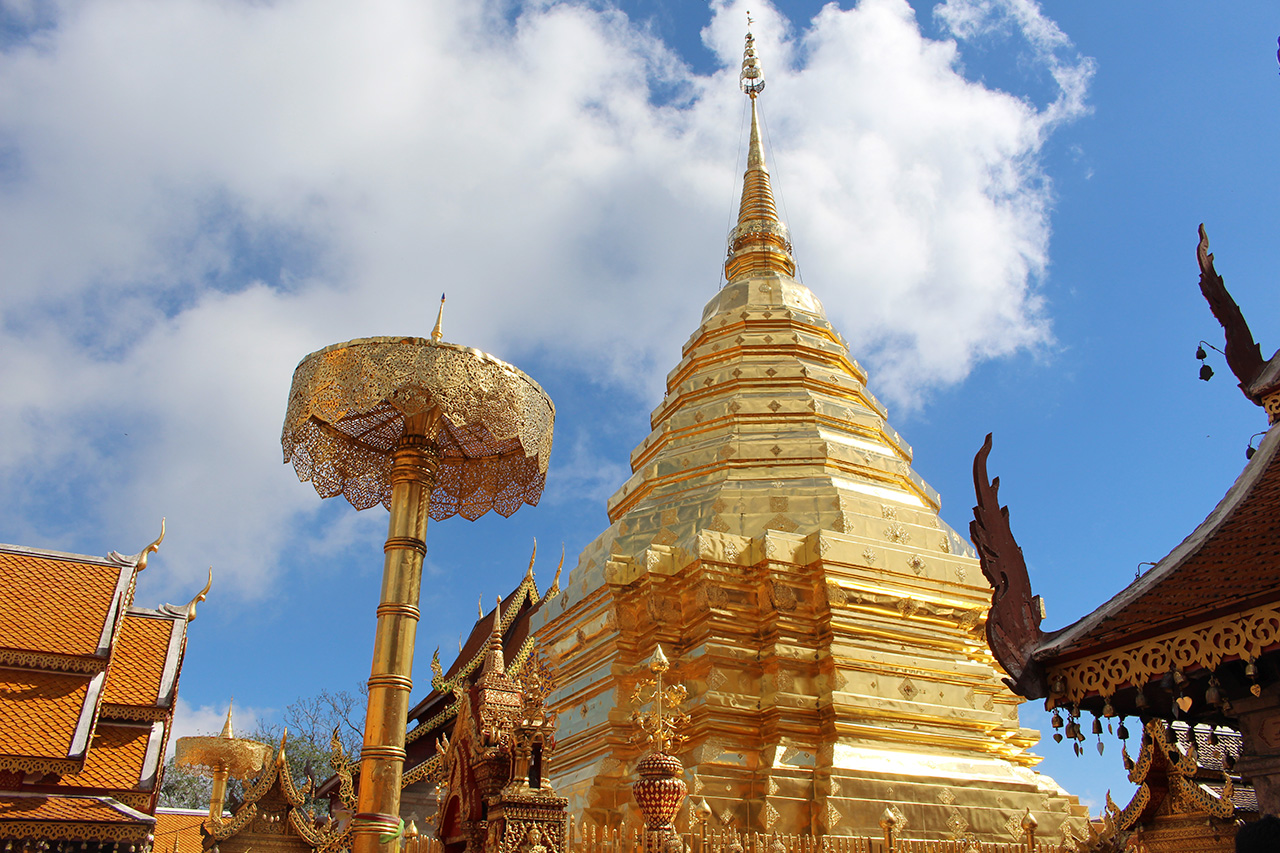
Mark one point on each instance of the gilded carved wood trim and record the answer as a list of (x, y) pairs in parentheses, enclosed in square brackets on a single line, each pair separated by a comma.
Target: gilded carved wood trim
[(28, 764), (77, 831), (56, 663), (1240, 636)]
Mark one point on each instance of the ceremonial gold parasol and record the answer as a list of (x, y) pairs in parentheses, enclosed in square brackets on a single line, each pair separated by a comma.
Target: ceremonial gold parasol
[(426, 428), (223, 757)]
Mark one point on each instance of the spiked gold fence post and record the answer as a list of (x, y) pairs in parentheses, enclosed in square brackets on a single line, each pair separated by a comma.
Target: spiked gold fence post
[(427, 429), (888, 820)]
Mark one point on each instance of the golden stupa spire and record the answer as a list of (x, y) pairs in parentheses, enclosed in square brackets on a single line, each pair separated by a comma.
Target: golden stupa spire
[(759, 244), (494, 663)]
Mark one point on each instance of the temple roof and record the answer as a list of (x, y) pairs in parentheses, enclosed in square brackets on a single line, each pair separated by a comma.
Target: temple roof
[(122, 757), (517, 608), (1194, 628), (87, 688), (1227, 564), (75, 817), (178, 830), (80, 809), (143, 671), (45, 715), (61, 604)]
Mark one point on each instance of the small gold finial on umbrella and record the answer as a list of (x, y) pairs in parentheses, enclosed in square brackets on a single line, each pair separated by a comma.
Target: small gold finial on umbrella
[(437, 334)]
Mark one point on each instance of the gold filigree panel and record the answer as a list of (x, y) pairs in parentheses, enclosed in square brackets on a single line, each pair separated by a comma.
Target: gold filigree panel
[(1242, 636), (58, 663), (72, 831), (348, 405)]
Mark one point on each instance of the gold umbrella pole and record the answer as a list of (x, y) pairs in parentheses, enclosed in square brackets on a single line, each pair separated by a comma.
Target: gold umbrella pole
[(413, 472), (218, 795)]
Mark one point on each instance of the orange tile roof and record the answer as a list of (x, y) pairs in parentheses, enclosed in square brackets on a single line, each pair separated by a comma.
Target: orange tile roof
[(178, 831), (39, 711), (137, 661), (57, 808), (115, 759), (54, 606)]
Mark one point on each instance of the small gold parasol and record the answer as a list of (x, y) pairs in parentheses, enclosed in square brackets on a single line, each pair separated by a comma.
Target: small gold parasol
[(222, 757)]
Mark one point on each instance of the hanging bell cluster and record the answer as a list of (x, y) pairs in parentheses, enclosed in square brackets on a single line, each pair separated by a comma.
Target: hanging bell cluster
[(1186, 739), (1206, 372)]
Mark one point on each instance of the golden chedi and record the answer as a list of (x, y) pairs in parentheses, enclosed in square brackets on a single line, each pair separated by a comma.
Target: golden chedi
[(776, 541)]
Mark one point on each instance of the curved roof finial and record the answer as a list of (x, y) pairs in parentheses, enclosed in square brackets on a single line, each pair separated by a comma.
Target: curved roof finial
[(200, 596), (555, 582)]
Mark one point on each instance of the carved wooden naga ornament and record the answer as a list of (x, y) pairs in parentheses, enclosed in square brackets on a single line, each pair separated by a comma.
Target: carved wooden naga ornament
[(1013, 622), (1244, 356)]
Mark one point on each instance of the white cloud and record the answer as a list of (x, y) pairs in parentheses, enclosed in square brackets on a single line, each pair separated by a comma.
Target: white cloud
[(579, 473), (205, 720), (196, 194)]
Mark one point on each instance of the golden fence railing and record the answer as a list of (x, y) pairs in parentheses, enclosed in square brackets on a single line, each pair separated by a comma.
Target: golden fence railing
[(587, 838)]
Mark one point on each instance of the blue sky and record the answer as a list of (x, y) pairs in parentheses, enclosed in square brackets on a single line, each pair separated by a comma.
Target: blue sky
[(998, 205)]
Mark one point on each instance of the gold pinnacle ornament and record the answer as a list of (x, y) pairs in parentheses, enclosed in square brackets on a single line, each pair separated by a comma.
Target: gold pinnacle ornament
[(759, 243), (660, 790), (221, 758), (664, 724), (426, 428)]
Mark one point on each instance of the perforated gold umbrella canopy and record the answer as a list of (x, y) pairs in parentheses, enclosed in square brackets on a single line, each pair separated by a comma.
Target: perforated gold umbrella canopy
[(347, 410), (237, 757), (348, 405)]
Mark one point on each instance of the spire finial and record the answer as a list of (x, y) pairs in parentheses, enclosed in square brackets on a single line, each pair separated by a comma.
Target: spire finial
[(555, 582), (494, 663), (752, 77), (760, 243), (227, 730), (437, 334)]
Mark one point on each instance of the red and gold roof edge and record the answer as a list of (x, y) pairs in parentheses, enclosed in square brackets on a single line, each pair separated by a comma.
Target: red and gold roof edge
[(118, 821)]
